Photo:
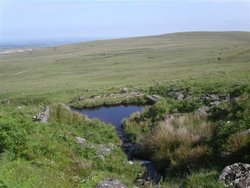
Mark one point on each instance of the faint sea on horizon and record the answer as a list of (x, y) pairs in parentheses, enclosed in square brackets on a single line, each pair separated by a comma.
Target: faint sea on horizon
[(41, 43)]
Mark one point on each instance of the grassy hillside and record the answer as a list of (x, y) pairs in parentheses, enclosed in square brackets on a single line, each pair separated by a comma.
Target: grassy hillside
[(71, 151), (118, 63)]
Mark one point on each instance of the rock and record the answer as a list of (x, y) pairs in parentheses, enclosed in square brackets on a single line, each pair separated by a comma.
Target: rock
[(225, 97), (130, 162), (179, 96), (203, 111), (124, 90), (215, 103), (169, 118), (80, 140), (81, 98), (154, 98), (214, 97), (103, 150), (237, 175), (111, 183), (42, 116), (157, 97)]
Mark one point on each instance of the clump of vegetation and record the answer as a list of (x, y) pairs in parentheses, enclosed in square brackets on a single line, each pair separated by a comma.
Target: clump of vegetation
[(179, 141), (29, 150), (178, 146), (205, 179)]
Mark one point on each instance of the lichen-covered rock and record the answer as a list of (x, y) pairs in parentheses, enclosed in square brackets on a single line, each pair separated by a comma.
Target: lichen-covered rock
[(237, 175), (42, 116), (111, 183)]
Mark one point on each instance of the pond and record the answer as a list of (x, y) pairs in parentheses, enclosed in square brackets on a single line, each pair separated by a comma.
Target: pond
[(111, 114), (114, 115)]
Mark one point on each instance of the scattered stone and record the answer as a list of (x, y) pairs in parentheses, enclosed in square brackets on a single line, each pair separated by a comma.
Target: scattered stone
[(81, 98), (225, 97), (80, 140), (111, 183), (124, 90), (237, 175), (154, 98), (104, 150), (169, 118), (130, 162), (42, 116), (214, 99), (179, 95), (215, 103), (203, 111)]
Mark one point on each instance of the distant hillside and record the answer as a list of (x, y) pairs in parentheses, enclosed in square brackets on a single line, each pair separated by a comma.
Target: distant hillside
[(139, 61)]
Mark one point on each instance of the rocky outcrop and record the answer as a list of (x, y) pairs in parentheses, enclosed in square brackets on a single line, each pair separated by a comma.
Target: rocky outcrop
[(211, 101), (179, 94), (214, 99), (42, 116), (236, 175), (111, 183)]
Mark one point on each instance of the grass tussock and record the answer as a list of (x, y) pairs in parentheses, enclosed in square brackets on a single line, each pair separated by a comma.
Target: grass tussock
[(62, 113), (178, 144)]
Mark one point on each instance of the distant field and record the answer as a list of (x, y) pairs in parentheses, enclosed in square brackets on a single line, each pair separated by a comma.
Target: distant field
[(138, 61)]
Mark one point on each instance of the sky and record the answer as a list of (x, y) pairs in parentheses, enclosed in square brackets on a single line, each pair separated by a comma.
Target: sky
[(64, 19)]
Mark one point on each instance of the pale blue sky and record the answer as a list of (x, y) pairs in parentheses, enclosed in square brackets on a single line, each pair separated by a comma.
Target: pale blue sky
[(58, 19)]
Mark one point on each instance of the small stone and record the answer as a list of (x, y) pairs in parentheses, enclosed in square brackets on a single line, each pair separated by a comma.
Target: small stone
[(81, 98), (80, 140), (215, 103), (179, 96), (203, 111), (42, 116), (130, 162), (124, 90), (111, 183)]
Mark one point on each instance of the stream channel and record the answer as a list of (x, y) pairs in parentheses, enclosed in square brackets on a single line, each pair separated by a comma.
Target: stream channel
[(114, 115)]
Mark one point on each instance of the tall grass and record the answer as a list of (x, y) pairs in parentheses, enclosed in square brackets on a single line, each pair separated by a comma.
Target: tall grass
[(62, 113), (178, 144)]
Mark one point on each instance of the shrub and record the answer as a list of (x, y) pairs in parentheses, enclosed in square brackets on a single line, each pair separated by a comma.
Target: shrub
[(13, 136), (157, 112)]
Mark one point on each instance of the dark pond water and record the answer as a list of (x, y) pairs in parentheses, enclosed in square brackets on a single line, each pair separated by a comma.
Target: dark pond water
[(111, 114)]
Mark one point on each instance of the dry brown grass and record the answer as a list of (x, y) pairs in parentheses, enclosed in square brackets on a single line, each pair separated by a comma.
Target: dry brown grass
[(178, 144)]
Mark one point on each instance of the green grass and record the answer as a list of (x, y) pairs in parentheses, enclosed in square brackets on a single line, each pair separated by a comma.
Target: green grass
[(61, 71), (47, 155)]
